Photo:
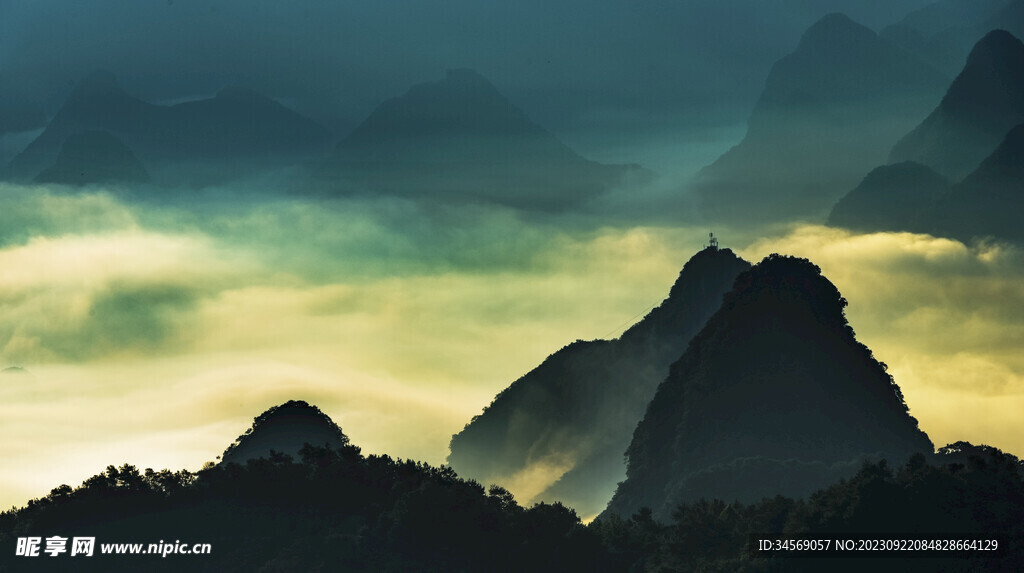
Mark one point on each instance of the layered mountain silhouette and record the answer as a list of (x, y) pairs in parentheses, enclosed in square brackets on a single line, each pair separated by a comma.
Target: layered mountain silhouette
[(828, 112), (565, 424), (460, 138), (774, 396), (94, 157), (984, 102), (890, 198), (943, 33), (974, 137), (196, 142), (989, 201), (285, 429), (911, 197)]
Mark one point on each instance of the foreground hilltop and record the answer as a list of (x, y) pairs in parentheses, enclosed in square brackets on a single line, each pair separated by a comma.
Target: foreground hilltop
[(285, 429)]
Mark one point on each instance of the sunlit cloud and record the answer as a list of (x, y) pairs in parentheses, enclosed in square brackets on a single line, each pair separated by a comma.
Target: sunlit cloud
[(154, 334)]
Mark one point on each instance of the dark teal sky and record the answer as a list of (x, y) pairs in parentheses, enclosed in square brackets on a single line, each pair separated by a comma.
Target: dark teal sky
[(566, 62)]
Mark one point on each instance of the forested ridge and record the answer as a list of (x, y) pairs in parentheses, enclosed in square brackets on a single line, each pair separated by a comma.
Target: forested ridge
[(337, 510)]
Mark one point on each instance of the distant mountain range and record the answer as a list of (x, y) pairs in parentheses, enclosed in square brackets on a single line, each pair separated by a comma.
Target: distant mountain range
[(828, 112), (989, 201), (459, 138), (984, 101), (943, 33), (964, 179), (568, 421), (199, 142), (774, 396)]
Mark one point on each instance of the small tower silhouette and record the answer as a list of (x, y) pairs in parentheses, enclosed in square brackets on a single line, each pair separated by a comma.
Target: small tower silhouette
[(712, 241)]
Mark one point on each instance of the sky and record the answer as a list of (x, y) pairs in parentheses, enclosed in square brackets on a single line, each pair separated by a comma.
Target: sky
[(151, 333), (574, 65)]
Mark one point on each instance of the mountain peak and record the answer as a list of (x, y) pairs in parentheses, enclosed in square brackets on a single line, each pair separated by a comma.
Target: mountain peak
[(992, 81), (285, 429), (774, 396), (815, 105), (460, 138), (463, 103), (995, 46), (981, 105), (709, 266), (580, 406)]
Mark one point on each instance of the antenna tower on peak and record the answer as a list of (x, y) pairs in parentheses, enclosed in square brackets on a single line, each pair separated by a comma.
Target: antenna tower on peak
[(712, 241)]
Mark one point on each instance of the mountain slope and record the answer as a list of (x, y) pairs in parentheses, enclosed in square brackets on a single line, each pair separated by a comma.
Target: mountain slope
[(774, 396), (827, 112), (989, 201), (460, 138), (980, 107), (560, 430)]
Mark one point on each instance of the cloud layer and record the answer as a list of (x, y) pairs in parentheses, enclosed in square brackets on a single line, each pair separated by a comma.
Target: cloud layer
[(153, 334)]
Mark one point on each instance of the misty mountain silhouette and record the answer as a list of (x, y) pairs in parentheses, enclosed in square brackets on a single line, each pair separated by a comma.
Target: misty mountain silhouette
[(460, 138), (196, 142), (911, 197), (285, 429), (980, 107), (943, 33), (989, 201), (94, 157), (975, 131), (774, 396), (571, 418), (889, 198), (827, 112)]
